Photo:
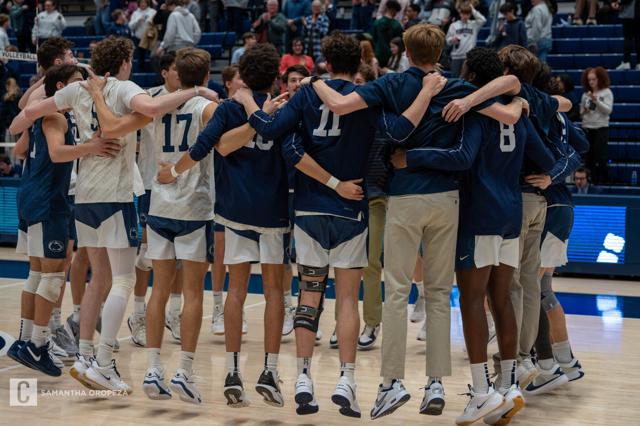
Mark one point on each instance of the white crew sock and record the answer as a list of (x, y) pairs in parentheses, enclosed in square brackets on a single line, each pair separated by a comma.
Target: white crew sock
[(26, 329), (480, 377), (348, 370), (40, 335), (287, 299), (420, 287), (75, 316), (304, 366), (508, 373), (562, 352), (218, 298), (153, 358), (175, 303), (233, 362), (546, 364), (86, 348), (271, 362), (138, 305), (186, 361)]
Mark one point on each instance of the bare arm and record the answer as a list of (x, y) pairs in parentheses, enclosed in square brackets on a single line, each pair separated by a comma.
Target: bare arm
[(22, 146), (154, 107), (505, 85), (350, 189), (164, 175), (22, 103), (336, 102), (25, 119), (432, 84), (235, 139), (564, 104), (507, 114)]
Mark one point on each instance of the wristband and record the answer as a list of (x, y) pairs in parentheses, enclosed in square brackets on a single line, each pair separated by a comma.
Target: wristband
[(332, 182), (174, 173), (314, 79)]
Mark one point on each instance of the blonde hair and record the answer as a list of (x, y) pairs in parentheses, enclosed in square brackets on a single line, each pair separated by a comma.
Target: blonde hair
[(192, 65), (424, 43)]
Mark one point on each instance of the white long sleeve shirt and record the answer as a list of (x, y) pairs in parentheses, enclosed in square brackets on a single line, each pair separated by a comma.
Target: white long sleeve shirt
[(139, 20), (538, 23), (595, 114), (49, 25), (182, 30), (466, 33)]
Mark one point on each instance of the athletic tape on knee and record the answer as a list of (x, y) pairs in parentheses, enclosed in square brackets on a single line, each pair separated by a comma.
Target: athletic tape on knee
[(32, 282), (142, 262), (50, 286), (548, 299), (123, 285)]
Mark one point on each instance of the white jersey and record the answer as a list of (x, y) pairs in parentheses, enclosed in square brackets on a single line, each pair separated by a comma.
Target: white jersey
[(146, 152), (102, 179), (189, 197)]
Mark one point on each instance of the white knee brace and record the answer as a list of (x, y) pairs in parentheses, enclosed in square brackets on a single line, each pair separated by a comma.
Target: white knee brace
[(142, 262), (123, 285), (50, 286), (32, 282)]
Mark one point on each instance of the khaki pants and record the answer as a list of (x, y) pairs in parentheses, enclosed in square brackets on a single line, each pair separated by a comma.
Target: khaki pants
[(372, 285), (432, 220), (525, 288)]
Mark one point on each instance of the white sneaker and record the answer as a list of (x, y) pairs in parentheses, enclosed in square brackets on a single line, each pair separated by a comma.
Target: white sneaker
[(54, 358), (154, 386), (546, 381), (106, 378), (184, 384), (172, 322), (390, 399), (304, 396), (217, 325), (287, 325), (480, 405), (513, 402), (525, 372), (345, 396), (333, 340), (624, 66), (572, 369), (433, 400), (422, 334), (116, 345), (234, 391), (318, 336), (57, 351), (138, 329), (368, 337), (418, 314), (245, 325), (79, 368)]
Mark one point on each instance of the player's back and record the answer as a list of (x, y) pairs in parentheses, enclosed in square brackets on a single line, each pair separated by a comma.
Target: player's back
[(490, 193), (147, 162), (44, 187), (190, 197), (103, 179)]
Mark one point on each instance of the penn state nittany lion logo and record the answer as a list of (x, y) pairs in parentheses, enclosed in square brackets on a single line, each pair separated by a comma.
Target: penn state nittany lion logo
[(55, 246), (133, 233)]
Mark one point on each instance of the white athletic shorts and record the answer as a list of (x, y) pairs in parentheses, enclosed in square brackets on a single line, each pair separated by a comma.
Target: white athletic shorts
[(483, 250), (109, 225), (179, 239), (255, 247)]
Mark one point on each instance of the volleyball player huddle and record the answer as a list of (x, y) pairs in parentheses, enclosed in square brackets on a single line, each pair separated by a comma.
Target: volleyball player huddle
[(475, 164)]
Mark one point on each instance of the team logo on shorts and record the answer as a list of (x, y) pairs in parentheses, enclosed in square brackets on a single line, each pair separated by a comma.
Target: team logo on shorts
[(133, 233), (55, 246)]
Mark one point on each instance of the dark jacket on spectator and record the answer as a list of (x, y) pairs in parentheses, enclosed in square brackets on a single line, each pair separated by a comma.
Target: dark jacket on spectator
[(514, 32)]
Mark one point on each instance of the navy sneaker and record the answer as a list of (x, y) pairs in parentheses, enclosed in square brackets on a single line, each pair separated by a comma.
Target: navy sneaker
[(39, 359), (13, 352)]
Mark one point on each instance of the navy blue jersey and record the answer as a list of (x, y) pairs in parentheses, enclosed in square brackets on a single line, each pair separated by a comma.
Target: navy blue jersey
[(339, 144), (395, 93), (44, 189), (251, 183), (567, 141), (542, 105), (492, 154)]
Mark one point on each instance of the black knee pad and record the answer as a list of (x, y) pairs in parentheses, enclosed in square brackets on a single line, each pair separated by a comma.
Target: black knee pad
[(309, 316)]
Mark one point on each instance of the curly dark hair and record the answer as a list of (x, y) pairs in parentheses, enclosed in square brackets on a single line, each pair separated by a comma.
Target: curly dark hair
[(259, 66), (482, 66), (300, 69), (108, 55), (545, 82), (52, 49), (56, 74), (342, 52)]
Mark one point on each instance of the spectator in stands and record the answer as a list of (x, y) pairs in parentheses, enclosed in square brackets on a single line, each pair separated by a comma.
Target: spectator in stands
[(235, 11), (538, 23), (23, 15), (463, 35), (385, 29), (368, 56), (582, 180), (248, 40), (231, 80), (566, 86), (296, 57), (331, 12), (595, 108), (271, 26), (593, 9), (630, 17), (412, 16), (398, 61), (12, 67), (316, 26), (194, 8), (382, 9), (183, 29), (4, 26), (9, 108), (511, 29), (8, 170), (209, 15), (441, 12), (293, 10), (49, 23), (361, 14), (119, 27), (140, 20)]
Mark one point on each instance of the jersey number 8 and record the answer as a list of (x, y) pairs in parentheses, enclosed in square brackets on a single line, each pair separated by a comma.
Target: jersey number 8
[(507, 138)]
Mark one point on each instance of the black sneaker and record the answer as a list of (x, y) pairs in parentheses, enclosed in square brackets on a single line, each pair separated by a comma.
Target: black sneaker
[(234, 391), (269, 387)]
